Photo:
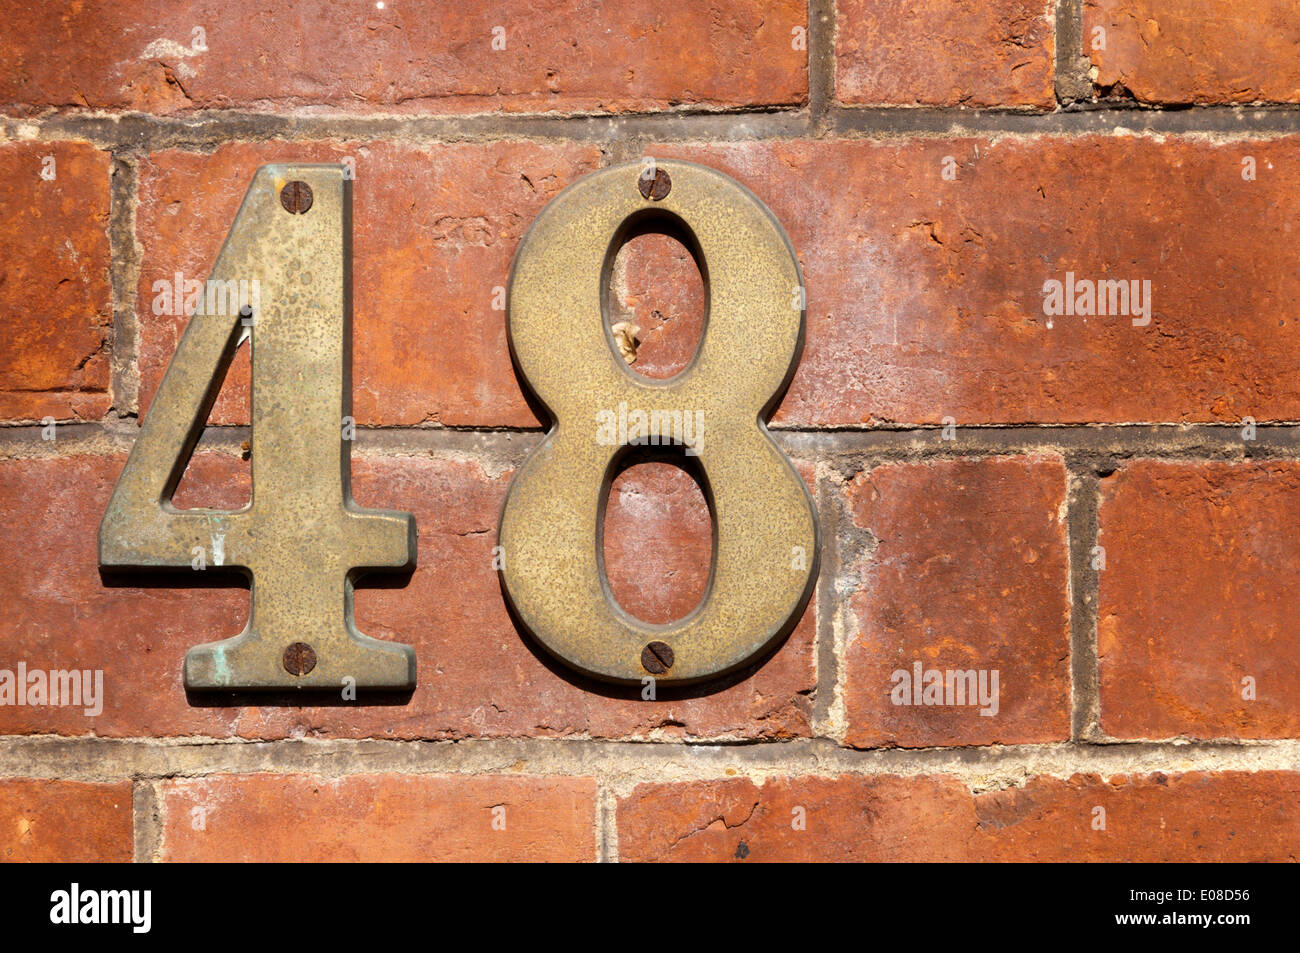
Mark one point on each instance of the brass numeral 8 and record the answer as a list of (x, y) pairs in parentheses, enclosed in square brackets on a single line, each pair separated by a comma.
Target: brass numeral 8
[(765, 526)]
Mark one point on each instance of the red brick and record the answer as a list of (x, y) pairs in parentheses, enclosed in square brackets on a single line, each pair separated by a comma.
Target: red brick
[(658, 287), (1199, 592), (658, 542), (55, 309), (478, 675), (411, 56), (953, 271), (1232, 816), (377, 818), (65, 822), (1189, 51), (970, 571), (961, 277), (944, 53), (435, 228)]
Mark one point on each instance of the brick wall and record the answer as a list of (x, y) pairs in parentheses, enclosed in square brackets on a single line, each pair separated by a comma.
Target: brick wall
[(1097, 508)]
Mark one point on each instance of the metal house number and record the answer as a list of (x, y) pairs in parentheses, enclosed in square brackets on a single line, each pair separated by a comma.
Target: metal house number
[(765, 527), (303, 541)]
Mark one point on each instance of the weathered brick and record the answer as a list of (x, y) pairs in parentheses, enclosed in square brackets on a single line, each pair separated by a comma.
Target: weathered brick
[(658, 542), (1199, 594), (410, 56), (925, 295), (1189, 51), (657, 286), (478, 675), (969, 572), (377, 818), (65, 821), (936, 818), (430, 252), (944, 53), (434, 231), (956, 280), (55, 309)]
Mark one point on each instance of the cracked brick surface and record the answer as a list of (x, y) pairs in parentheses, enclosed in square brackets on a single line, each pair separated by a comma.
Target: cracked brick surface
[(1189, 51), (935, 818), (411, 56), (926, 295), (55, 307), (944, 53)]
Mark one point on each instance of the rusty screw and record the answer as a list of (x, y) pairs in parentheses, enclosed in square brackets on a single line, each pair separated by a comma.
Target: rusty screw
[(657, 658), (654, 187), (299, 658), (296, 197)]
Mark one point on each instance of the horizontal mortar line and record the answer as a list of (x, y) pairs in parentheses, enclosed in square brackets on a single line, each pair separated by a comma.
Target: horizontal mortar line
[(1176, 441), (1273, 441), (143, 132), (619, 763), (1224, 120)]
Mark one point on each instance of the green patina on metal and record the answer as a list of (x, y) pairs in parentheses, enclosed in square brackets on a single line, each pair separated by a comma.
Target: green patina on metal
[(766, 538), (302, 541)]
